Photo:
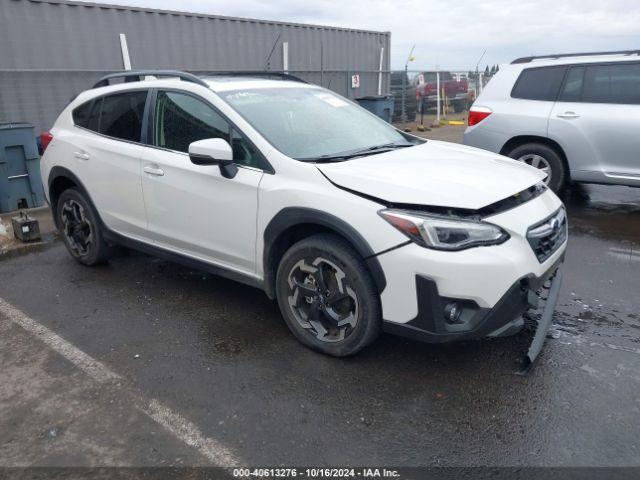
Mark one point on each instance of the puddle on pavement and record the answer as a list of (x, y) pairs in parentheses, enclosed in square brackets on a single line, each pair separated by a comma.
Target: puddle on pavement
[(605, 211)]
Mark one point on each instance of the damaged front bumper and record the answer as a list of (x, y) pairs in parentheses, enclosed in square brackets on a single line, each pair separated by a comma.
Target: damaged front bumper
[(545, 321), (434, 322)]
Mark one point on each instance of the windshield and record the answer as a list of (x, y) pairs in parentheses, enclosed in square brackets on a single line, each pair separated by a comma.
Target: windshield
[(311, 123)]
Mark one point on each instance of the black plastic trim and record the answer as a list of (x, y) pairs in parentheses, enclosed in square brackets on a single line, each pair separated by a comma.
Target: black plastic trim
[(149, 249), (292, 216), (430, 326), (136, 75), (62, 172)]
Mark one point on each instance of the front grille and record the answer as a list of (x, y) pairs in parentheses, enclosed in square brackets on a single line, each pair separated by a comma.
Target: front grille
[(548, 235)]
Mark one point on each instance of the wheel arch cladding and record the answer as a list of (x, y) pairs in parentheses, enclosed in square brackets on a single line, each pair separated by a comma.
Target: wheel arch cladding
[(292, 224), (515, 142), (61, 179)]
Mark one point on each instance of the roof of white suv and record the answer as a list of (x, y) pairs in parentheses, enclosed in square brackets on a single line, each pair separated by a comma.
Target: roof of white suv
[(227, 83)]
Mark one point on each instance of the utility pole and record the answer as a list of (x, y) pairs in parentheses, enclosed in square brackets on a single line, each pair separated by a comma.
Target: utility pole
[(403, 115), (438, 95), (478, 74)]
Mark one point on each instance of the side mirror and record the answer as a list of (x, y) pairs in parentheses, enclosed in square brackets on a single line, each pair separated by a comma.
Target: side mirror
[(214, 151)]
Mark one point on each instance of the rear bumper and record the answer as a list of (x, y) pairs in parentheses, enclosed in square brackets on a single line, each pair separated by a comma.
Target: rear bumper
[(505, 317), (456, 96), (481, 137)]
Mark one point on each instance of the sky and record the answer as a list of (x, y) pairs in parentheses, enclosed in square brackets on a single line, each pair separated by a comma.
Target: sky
[(451, 34)]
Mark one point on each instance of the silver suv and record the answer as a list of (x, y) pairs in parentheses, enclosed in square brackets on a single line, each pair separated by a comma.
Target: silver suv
[(575, 116)]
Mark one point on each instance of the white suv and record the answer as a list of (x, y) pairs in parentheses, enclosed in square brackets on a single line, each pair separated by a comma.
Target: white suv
[(352, 225), (574, 116)]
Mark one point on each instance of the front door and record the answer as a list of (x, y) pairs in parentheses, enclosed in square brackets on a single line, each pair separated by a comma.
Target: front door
[(193, 209)]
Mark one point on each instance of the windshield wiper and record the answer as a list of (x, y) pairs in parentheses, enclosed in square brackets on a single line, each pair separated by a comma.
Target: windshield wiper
[(387, 146), (338, 157)]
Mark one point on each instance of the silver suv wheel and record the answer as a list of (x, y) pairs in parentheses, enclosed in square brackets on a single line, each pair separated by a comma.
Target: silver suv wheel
[(539, 162)]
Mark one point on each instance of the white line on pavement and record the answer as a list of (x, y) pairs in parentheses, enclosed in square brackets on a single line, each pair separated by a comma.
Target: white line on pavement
[(180, 427), (91, 367), (189, 433)]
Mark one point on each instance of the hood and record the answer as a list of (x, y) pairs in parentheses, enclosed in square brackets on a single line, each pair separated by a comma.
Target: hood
[(436, 174)]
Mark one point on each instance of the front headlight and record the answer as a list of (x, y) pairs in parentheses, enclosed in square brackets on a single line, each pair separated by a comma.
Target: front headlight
[(444, 233)]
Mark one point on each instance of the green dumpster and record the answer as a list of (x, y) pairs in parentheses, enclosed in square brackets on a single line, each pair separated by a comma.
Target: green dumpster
[(20, 181), (379, 105)]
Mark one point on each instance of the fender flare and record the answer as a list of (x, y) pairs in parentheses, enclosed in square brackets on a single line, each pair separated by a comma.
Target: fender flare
[(291, 216), (62, 172)]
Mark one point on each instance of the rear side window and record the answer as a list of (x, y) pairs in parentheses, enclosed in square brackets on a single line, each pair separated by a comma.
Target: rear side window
[(615, 83), (572, 90), (121, 115), (81, 115), (539, 83)]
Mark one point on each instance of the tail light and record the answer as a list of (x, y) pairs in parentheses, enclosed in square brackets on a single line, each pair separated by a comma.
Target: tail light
[(478, 114), (45, 140)]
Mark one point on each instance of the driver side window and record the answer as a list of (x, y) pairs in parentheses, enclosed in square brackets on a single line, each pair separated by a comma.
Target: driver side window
[(181, 119)]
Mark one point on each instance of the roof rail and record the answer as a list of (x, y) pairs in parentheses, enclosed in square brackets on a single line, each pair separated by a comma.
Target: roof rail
[(257, 73), (137, 75), (585, 54)]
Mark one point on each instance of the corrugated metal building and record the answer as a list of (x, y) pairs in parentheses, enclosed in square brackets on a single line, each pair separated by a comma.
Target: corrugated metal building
[(52, 49)]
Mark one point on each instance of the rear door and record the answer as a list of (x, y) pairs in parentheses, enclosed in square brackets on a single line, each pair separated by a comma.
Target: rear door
[(107, 151), (193, 209), (597, 119)]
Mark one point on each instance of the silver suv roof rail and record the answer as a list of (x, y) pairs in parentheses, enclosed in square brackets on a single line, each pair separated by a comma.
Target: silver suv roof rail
[(585, 54), (138, 75)]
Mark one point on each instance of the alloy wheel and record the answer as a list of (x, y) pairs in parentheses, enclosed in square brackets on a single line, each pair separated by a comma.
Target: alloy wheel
[(539, 162), (321, 299), (77, 228)]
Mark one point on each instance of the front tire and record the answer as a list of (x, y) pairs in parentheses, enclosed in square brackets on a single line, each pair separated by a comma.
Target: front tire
[(543, 158), (327, 296), (80, 229)]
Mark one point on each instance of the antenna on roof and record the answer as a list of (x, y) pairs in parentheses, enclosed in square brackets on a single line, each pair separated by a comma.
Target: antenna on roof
[(268, 65)]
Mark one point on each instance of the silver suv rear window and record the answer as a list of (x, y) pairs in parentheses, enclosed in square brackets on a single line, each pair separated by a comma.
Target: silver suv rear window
[(542, 83)]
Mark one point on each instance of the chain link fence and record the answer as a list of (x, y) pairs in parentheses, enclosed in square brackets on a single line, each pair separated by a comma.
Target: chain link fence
[(433, 92)]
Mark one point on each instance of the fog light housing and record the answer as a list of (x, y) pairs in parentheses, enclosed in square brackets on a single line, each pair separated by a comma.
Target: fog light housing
[(452, 312)]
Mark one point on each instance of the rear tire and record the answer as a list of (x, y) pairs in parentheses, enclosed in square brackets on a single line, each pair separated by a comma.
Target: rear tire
[(544, 158), (327, 296), (80, 229)]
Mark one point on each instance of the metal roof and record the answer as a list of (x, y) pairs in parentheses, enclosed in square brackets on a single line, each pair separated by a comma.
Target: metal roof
[(108, 6)]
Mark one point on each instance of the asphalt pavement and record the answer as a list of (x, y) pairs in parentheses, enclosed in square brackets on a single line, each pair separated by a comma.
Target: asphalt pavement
[(143, 362)]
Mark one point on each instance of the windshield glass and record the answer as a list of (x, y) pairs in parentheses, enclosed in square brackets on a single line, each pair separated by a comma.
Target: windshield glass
[(307, 123)]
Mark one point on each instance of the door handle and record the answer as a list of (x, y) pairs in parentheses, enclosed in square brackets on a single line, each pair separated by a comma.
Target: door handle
[(82, 155), (153, 170), (568, 115)]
